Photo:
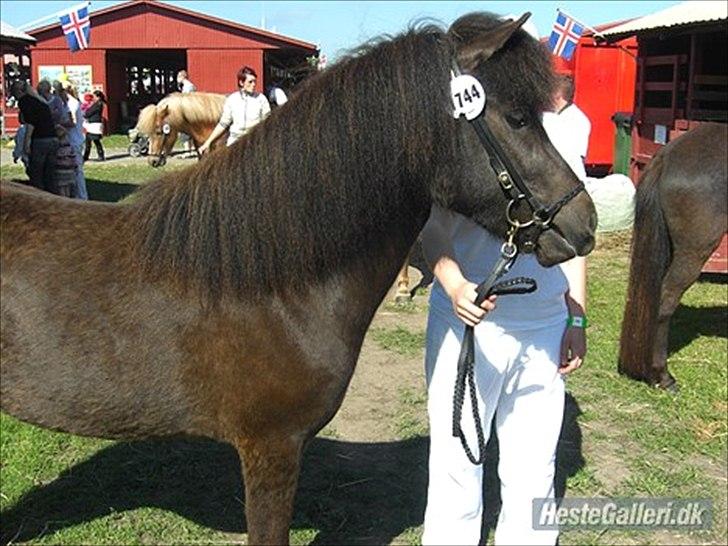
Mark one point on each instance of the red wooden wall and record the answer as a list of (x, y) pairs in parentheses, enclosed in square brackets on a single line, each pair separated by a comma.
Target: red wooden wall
[(214, 49)]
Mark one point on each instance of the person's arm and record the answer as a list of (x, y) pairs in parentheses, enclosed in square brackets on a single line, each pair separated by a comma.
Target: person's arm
[(226, 119), (573, 344), (264, 108), (26, 141), (437, 248), (95, 108)]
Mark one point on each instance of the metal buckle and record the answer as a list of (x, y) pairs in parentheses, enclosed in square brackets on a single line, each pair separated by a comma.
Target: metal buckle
[(509, 214)]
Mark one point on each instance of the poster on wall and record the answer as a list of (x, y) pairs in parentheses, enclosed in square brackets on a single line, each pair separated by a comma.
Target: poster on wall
[(80, 77), (50, 72)]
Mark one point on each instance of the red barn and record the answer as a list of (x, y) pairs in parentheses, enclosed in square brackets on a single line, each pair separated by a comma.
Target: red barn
[(137, 47)]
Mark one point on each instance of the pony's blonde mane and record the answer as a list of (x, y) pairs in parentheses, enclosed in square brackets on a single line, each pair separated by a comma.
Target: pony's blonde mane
[(182, 110), (192, 108), (145, 122)]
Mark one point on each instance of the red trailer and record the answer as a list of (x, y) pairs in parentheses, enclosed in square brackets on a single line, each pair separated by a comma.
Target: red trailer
[(682, 81), (604, 77)]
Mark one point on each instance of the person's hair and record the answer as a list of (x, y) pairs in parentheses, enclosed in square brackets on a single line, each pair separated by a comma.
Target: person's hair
[(70, 89), (100, 95), (244, 72), (182, 73), (58, 88), (43, 85), (565, 87)]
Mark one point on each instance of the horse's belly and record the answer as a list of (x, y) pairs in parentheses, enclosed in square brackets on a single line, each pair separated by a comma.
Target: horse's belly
[(70, 364)]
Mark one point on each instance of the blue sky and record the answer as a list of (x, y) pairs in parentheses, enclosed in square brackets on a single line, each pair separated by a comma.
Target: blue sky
[(336, 26)]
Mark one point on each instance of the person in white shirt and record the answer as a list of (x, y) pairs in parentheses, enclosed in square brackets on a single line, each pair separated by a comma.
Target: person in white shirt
[(185, 85), (568, 127), (524, 347), (242, 110)]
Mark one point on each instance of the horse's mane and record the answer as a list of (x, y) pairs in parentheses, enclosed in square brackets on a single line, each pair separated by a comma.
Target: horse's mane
[(201, 109), (321, 183), (145, 121), (183, 110)]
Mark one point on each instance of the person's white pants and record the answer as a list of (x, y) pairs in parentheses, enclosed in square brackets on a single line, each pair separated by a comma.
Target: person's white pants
[(517, 380)]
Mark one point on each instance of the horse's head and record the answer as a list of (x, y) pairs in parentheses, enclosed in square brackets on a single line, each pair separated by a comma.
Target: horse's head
[(516, 73), (162, 135)]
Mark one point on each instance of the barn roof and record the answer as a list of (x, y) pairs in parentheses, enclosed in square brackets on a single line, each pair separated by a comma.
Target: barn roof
[(10, 33), (161, 6), (681, 15)]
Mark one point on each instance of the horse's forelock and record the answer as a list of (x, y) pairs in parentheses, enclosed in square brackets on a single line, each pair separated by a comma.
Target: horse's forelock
[(520, 73), (147, 119)]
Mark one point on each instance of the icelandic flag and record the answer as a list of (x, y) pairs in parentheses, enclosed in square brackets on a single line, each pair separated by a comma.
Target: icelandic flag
[(76, 26), (565, 36)]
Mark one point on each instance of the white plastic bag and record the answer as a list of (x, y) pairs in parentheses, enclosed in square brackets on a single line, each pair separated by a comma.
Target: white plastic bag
[(613, 198)]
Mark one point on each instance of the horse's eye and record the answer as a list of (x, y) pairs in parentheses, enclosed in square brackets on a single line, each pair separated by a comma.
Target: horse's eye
[(517, 120)]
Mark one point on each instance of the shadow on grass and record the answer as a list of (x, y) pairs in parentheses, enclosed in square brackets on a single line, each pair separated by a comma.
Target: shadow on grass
[(351, 493), (689, 323), (98, 190)]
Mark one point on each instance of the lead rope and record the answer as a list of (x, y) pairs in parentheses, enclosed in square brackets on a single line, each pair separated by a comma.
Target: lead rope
[(466, 360)]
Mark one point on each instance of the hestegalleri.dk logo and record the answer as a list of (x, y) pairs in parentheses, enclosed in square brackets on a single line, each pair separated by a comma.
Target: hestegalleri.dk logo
[(622, 513)]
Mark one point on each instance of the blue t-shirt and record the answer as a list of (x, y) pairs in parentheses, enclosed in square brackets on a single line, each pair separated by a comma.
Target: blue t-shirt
[(476, 251)]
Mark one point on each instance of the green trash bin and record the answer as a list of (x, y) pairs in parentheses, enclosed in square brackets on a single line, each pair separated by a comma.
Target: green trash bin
[(622, 141)]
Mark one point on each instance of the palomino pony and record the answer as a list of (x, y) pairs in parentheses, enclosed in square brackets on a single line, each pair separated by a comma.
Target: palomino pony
[(230, 300), (193, 113), (680, 218)]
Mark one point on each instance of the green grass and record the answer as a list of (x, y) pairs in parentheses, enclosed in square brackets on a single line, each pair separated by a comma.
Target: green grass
[(400, 340), (107, 181)]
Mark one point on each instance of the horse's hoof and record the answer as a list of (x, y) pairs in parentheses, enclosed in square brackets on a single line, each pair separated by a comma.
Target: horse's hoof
[(668, 384), (402, 298)]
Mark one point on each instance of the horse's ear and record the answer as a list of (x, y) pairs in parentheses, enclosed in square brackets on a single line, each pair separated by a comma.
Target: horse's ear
[(479, 50), (163, 110)]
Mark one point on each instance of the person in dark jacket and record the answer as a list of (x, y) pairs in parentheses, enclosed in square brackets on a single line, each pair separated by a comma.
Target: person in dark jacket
[(94, 126), (41, 142)]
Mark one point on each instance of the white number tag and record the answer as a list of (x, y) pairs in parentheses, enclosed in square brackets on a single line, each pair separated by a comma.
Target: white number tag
[(468, 96)]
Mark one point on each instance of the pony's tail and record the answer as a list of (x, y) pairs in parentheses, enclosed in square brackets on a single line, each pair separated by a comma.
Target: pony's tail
[(651, 256)]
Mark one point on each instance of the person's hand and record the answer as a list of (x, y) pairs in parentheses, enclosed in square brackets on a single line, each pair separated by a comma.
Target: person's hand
[(203, 149), (463, 297), (573, 349)]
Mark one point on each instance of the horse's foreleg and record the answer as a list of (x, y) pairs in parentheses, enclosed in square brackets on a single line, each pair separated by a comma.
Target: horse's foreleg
[(403, 293), (270, 469)]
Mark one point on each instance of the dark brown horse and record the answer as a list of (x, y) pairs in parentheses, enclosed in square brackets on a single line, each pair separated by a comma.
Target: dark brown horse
[(680, 218), (193, 113), (230, 300)]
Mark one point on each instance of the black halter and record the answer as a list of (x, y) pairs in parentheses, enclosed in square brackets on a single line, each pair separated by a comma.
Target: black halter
[(515, 190), (166, 130), (511, 182)]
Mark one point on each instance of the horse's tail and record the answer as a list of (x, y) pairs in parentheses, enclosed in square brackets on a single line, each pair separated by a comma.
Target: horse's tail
[(650, 257)]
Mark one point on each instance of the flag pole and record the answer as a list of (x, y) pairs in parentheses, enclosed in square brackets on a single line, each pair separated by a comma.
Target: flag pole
[(52, 16), (596, 32)]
